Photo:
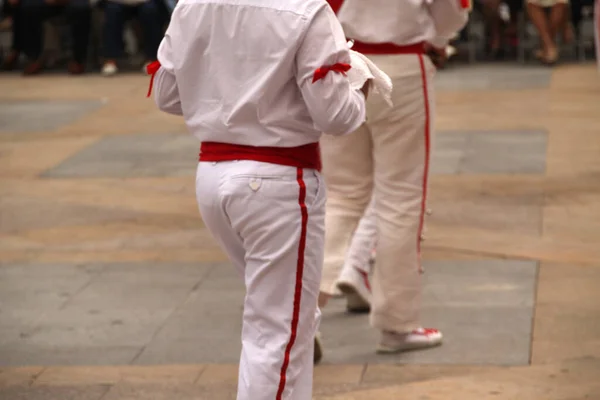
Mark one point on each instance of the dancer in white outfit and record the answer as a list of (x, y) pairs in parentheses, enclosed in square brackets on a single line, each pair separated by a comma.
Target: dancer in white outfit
[(258, 81)]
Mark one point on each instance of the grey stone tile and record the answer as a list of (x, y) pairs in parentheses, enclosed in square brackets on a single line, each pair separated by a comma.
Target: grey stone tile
[(448, 151), (519, 152), (87, 392), (483, 308), (207, 327), (24, 355), (489, 152), (39, 116), (124, 391), (133, 155), (41, 287), (490, 77), (520, 212), (18, 213), (169, 314), (120, 309)]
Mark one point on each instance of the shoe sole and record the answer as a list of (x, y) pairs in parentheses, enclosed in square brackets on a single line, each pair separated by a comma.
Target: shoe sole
[(355, 302), (417, 346)]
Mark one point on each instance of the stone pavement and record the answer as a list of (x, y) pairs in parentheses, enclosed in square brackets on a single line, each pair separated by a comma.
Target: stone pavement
[(111, 288)]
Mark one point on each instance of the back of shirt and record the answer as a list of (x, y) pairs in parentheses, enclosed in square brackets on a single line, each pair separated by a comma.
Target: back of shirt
[(402, 22), (244, 71)]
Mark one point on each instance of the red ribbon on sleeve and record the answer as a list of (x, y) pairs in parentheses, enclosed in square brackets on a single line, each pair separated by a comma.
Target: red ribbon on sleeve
[(322, 72), (465, 4), (151, 70)]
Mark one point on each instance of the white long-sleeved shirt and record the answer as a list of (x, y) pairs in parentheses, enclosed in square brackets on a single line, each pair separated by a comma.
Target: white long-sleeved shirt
[(241, 71), (402, 22)]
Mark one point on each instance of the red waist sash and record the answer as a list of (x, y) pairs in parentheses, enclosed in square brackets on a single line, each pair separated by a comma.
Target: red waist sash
[(388, 48), (306, 156)]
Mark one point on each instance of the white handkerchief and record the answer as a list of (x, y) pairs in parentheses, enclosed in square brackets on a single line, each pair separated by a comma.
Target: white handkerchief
[(364, 69)]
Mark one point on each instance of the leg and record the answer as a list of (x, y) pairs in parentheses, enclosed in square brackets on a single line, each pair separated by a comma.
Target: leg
[(16, 47), (271, 219), (597, 30), (354, 278), (150, 17), (32, 16), (363, 241), (492, 15), (115, 15), (402, 142), (540, 21), (558, 18), (348, 171), (79, 14)]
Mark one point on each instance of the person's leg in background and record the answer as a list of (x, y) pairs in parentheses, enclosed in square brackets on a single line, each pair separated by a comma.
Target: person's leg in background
[(559, 20), (33, 13), (115, 16), (273, 231), (151, 16), (402, 138), (12, 8), (537, 14), (491, 12), (348, 172), (597, 30), (79, 15), (353, 281)]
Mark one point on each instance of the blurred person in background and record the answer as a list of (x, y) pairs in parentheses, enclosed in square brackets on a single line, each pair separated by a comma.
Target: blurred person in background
[(501, 25), (28, 32), (550, 18), (11, 18), (151, 14), (387, 159)]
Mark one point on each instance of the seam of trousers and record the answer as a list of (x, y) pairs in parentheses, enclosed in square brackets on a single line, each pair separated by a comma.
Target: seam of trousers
[(298, 287)]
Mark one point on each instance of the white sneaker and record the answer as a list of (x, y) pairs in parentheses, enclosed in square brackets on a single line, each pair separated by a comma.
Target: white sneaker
[(318, 349), (109, 69), (355, 285), (392, 342)]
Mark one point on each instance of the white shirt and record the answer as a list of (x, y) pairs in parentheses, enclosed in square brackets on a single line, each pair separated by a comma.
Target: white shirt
[(402, 22), (240, 72)]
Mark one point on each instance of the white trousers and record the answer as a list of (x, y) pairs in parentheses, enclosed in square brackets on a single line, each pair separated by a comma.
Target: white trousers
[(387, 158), (270, 221), (363, 241)]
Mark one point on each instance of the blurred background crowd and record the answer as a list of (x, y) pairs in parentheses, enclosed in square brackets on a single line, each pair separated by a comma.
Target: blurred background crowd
[(113, 35)]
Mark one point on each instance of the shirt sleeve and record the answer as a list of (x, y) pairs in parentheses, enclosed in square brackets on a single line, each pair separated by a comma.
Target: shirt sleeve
[(449, 17), (335, 107), (166, 92)]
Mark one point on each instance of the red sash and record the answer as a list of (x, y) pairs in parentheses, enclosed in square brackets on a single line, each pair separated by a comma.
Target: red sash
[(307, 156)]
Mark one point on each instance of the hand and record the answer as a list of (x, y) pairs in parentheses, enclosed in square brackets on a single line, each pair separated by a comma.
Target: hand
[(438, 56)]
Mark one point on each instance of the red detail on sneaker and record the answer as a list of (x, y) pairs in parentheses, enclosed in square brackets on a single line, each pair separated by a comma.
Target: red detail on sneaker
[(425, 331), (365, 278)]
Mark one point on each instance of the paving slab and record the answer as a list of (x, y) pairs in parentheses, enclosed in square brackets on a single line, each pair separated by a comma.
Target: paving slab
[(40, 116), (54, 393), (493, 77), (455, 152), (106, 319), (133, 155), (19, 213), (489, 152), (493, 299)]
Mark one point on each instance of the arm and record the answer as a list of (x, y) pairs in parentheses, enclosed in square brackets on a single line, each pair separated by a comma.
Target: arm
[(166, 93), (335, 107), (449, 17)]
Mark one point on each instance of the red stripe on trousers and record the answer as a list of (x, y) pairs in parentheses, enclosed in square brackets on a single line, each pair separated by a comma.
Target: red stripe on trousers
[(298, 288), (427, 152)]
